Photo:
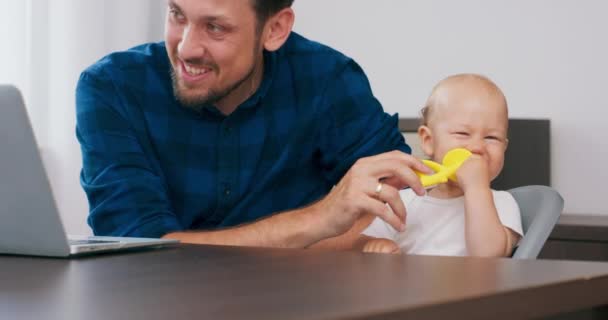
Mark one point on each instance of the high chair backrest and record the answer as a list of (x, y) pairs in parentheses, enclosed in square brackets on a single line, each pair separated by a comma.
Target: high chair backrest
[(540, 208)]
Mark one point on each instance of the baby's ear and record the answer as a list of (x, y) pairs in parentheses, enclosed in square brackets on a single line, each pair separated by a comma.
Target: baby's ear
[(426, 140)]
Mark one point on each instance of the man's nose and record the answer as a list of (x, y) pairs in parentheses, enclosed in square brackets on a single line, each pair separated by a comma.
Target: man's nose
[(190, 48)]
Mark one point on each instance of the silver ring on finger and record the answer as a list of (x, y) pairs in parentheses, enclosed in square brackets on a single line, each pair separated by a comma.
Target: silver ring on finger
[(378, 189)]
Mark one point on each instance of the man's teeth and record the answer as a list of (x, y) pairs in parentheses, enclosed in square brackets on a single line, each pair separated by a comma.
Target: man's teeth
[(195, 71)]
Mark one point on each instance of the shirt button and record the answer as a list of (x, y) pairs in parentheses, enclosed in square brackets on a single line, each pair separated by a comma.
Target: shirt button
[(227, 130), (227, 192)]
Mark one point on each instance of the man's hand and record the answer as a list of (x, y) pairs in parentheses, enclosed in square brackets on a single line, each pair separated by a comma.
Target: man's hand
[(380, 245), (370, 186)]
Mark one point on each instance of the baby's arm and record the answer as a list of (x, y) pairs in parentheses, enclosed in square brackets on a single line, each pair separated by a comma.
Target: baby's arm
[(377, 238), (484, 233), (379, 245)]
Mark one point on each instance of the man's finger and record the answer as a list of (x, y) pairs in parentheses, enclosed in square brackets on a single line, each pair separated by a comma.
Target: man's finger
[(386, 167), (390, 195), (404, 158), (405, 178), (379, 209)]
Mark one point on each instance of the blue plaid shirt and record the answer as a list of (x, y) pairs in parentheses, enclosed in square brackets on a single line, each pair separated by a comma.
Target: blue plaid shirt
[(151, 166)]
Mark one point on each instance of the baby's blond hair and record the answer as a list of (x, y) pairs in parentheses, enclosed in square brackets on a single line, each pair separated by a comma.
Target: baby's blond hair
[(437, 95)]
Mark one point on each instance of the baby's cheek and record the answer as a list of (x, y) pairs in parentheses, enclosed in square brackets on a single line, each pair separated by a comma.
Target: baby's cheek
[(495, 169)]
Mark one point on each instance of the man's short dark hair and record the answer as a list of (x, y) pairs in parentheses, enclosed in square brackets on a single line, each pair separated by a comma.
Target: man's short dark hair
[(264, 9)]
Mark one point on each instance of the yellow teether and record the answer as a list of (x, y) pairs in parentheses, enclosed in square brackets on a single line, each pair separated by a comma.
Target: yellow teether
[(451, 162)]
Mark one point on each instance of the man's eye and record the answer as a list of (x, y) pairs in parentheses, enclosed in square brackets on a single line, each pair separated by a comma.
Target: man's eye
[(214, 28), (176, 14), (461, 133), (492, 138)]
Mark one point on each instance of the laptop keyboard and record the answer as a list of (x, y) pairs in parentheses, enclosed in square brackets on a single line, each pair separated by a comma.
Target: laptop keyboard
[(77, 242)]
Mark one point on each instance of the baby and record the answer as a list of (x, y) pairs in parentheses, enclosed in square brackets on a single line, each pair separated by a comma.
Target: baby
[(468, 217)]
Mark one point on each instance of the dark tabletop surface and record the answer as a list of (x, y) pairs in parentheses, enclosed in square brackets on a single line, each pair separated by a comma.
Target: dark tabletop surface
[(213, 282)]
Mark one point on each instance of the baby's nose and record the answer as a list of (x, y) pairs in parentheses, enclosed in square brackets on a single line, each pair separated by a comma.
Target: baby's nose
[(476, 147)]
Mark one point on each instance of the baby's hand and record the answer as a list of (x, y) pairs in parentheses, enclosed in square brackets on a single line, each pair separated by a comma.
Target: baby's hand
[(381, 246), (473, 173)]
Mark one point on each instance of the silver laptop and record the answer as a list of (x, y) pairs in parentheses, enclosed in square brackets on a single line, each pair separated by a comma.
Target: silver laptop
[(29, 220)]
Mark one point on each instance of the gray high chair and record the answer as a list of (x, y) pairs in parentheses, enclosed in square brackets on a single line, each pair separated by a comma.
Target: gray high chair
[(540, 208)]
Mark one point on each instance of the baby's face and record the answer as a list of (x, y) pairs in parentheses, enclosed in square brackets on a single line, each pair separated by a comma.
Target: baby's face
[(474, 120)]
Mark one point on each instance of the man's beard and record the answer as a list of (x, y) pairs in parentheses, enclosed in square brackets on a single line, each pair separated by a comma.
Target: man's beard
[(197, 103)]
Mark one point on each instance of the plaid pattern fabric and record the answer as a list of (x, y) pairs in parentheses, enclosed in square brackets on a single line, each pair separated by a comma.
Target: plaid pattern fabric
[(151, 166)]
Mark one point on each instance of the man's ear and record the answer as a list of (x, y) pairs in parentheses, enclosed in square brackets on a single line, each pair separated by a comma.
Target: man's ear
[(426, 140), (277, 29)]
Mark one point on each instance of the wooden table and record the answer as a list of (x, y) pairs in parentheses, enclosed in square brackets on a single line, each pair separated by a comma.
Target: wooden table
[(212, 282)]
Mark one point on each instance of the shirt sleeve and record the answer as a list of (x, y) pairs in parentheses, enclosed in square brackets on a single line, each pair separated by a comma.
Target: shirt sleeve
[(127, 196), (508, 211), (355, 125)]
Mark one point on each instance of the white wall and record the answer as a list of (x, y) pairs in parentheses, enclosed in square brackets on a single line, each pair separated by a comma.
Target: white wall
[(549, 57), (45, 46), (12, 55), (79, 33)]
